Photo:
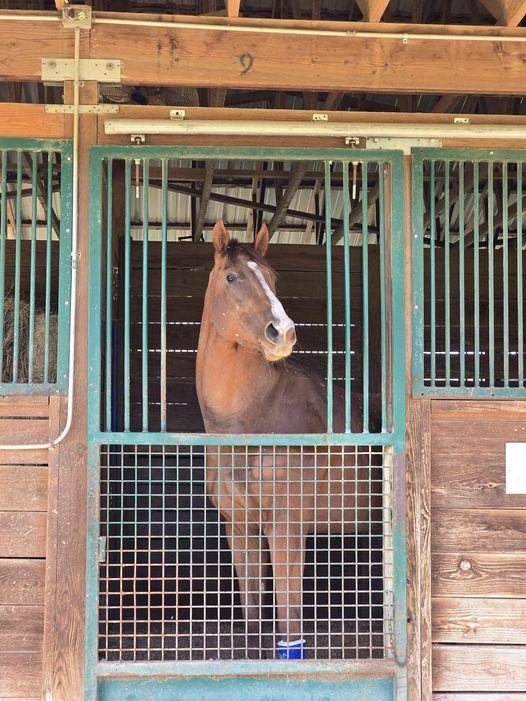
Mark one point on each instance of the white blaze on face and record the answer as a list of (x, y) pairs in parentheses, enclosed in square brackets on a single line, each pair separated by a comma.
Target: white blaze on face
[(283, 322)]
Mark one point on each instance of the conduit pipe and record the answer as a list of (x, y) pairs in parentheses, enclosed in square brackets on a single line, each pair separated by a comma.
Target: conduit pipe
[(351, 33), (344, 130), (74, 259)]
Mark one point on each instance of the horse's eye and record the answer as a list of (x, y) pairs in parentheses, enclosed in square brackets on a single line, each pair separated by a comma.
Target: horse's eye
[(231, 277)]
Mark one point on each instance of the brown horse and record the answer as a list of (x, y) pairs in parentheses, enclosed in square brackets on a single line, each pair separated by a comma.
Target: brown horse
[(280, 495)]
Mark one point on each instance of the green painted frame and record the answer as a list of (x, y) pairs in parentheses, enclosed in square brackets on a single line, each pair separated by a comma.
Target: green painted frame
[(417, 213), (65, 148), (115, 679)]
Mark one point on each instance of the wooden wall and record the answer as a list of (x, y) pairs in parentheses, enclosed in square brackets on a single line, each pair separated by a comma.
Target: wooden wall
[(478, 553), (24, 479)]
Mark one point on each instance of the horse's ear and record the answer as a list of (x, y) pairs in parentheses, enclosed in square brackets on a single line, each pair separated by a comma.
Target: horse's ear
[(262, 239), (221, 238)]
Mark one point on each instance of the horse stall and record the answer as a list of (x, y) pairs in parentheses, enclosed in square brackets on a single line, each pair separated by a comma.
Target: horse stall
[(262, 393)]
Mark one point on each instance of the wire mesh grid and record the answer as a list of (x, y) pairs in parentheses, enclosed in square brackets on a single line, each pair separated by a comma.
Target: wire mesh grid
[(220, 552)]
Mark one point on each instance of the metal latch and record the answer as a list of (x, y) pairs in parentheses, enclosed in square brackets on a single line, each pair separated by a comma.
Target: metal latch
[(461, 120), (103, 70), (137, 139), (320, 117), (177, 114), (404, 144), (102, 549), (76, 16)]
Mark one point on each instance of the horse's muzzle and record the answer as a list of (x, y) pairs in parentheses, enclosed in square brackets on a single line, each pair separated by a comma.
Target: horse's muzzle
[(279, 341)]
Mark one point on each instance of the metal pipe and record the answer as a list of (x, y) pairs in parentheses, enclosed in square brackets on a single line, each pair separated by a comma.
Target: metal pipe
[(291, 31), (239, 127), (74, 256)]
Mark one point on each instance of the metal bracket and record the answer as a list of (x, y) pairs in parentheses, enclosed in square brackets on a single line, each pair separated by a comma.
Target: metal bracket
[(320, 117), (103, 70), (400, 144), (76, 16), (137, 138), (354, 141), (177, 114), (461, 120), (83, 109)]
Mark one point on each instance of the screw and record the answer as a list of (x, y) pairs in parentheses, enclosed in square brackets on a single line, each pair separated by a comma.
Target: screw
[(110, 66), (81, 15), (52, 64), (465, 565)]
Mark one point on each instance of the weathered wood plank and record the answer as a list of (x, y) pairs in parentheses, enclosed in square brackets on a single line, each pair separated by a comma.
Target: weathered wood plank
[(480, 574), (418, 546), (479, 697), (479, 668), (23, 488), (22, 582), (457, 410), (473, 479), (33, 430), (31, 122), (193, 56), (20, 675), (485, 436), (14, 457), (488, 530), (467, 620), (21, 628), (22, 534)]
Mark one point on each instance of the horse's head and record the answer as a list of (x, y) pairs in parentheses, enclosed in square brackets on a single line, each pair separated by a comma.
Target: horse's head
[(242, 297)]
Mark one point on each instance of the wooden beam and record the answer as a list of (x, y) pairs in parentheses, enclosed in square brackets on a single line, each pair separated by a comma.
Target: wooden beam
[(372, 10), (254, 59), (232, 7), (279, 215), (507, 12), (203, 204), (446, 103)]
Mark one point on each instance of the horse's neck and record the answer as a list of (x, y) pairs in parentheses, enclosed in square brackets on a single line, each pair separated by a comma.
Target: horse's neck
[(231, 380)]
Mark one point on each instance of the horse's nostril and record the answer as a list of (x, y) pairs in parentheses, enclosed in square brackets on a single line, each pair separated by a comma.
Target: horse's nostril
[(272, 334)]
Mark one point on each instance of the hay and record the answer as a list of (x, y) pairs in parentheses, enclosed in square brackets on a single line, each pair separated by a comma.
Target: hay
[(39, 343)]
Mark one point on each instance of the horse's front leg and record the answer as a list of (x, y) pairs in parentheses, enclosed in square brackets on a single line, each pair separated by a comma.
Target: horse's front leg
[(287, 551), (251, 562)]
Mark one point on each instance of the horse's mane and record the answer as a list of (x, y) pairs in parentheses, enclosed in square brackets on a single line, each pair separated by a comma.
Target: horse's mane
[(235, 248)]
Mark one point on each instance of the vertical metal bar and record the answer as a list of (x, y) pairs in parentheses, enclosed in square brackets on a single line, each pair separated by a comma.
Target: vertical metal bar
[(365, 300), (447, 286), (109, 290), (164, 186), (347, 267), (32, 275), (18, 234), (461, 272), (432, 245), (476, 272), (145, 218), (491, 289), (505, 266), (520, 301), (49, 237), (3, 209), (127, 284), (383, 295), (328, 273)]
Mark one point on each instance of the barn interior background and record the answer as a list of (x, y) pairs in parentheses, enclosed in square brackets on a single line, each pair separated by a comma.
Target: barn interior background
[(447, 194)]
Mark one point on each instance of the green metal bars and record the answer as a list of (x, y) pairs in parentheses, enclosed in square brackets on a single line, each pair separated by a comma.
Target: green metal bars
[(150, 318), (35, 266), (468, 273)]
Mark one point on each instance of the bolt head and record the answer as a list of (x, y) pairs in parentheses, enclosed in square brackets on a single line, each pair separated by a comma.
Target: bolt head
[(465, 565)]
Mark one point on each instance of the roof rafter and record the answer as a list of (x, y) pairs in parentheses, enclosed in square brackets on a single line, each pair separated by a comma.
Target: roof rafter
[(372, 10), (506, 12)]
